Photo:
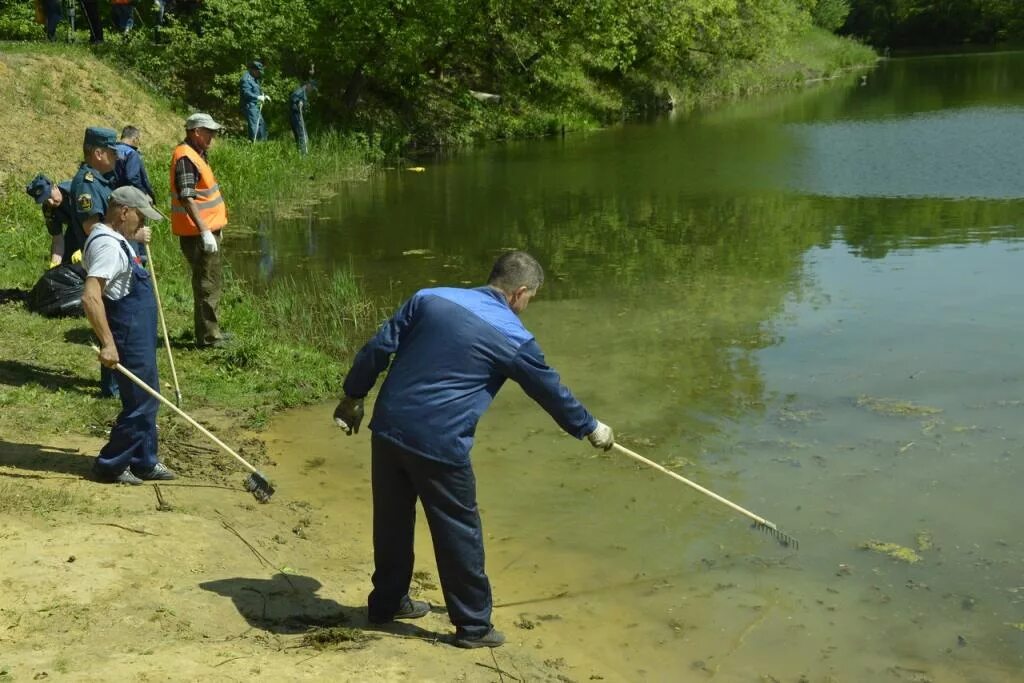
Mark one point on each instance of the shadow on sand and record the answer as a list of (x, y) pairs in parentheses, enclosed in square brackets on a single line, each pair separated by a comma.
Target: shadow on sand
[(288, 603), (41, 458)]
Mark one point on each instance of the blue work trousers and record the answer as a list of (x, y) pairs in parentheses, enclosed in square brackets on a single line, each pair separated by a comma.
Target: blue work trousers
[(133, 439), (122, 16), (52, 10), (299, 130), (448, 495), (254, 121)]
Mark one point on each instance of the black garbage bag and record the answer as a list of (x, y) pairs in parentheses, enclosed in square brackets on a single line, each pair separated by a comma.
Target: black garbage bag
[(59, 292)]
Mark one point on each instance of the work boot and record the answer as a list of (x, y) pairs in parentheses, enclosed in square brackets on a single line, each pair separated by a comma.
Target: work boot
[(493, 638), (410, 609), (160, 472), (225, 341)]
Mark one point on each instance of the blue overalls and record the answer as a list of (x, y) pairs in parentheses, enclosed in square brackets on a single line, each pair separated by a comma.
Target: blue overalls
[(132, 321)]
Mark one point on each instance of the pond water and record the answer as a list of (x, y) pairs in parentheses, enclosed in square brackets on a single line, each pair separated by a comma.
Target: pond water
[(810, 304)]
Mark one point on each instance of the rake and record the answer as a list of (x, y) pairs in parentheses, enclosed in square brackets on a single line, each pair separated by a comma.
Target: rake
[(760, 523), (255, 483)]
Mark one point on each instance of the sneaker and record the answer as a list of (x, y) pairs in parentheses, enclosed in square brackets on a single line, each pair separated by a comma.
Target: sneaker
[(125, 477), (410, 609), (493, 638), (160, 472)]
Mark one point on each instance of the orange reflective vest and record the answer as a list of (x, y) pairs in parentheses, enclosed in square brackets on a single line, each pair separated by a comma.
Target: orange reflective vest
[(208, 198)]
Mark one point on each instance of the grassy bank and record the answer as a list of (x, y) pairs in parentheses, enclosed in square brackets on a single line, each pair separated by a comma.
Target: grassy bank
[(292, 342)]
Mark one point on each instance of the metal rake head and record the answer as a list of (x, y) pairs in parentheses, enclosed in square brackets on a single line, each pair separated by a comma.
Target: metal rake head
[(260, 487), (784, 539)]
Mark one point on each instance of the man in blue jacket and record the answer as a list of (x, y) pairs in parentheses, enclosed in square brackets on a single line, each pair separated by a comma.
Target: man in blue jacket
[(251, 99), (452, 351), (130, 168)]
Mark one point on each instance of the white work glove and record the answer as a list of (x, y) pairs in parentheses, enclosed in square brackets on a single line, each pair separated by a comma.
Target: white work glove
[(602, 436), (144, 234), (209, 242), (264, 98)]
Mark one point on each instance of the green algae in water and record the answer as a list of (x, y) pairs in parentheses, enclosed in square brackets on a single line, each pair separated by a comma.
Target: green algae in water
[(924, 541), (895, 407), (893, 550)]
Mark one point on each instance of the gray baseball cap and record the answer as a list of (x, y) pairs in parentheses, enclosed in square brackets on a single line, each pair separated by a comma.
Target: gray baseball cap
[(134, 198), (201, 120)]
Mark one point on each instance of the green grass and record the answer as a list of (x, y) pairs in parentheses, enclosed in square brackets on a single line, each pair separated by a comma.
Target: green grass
[(18, 498), (293, 340)]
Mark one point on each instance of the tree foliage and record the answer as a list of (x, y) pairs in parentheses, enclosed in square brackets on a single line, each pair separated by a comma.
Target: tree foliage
[(912, 23), (407, 68)]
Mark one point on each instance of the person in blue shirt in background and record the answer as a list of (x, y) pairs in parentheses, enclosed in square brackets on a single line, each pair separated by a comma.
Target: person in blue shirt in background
[(130, 168), (251, 99), (66, 236), (450, 350), (298, 106)]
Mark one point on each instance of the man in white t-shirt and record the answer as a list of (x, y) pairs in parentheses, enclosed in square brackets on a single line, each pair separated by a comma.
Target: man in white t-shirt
[(121, 308)]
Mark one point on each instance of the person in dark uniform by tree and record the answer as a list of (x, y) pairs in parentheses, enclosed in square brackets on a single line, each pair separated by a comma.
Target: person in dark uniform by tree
[(66, 236), (90, 191), (53, 14), (449, 350), (92, 17), (119, 303), (298, 105), (251, 99)]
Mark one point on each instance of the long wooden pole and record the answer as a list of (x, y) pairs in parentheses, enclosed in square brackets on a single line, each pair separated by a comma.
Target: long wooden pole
[(698, 487), (163, 325)]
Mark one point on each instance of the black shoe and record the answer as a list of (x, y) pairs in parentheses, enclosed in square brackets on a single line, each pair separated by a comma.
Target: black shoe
[(160, 472), (410, 609), (493, 638)]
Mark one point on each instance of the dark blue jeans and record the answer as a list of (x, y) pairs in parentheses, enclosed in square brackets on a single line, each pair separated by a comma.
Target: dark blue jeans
[(448, 495)]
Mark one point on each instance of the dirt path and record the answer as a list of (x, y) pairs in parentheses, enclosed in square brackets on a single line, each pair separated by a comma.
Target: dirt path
[(100, 585)]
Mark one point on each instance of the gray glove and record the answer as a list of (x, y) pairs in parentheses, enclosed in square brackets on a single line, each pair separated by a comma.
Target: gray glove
[(602, 436), (349, 414)]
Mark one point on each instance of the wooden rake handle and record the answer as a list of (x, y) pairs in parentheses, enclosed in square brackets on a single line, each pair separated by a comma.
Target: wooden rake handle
[(698, 487), (155, 394), (163, 324)]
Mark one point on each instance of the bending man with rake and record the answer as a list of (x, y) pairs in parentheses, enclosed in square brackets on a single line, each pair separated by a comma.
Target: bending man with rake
[(452, 351)]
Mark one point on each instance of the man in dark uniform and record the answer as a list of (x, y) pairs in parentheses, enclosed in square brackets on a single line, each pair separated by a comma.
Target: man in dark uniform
[(119, 303), (92, 17), (251, 99), (90, 191), (298, 105), (53, 16), (452, 351), (66, 236)]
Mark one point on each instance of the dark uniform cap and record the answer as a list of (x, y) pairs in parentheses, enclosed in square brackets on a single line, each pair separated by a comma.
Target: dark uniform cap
[(100, 137), (256, 64), (40, 189)]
